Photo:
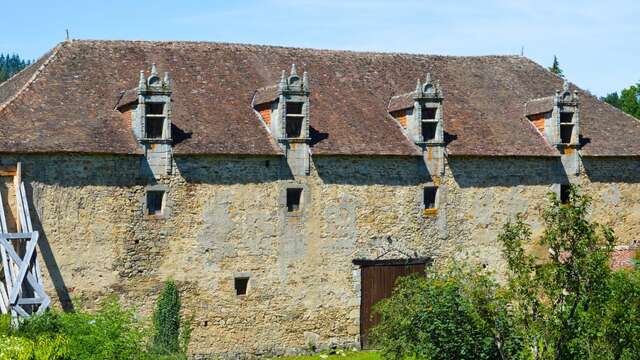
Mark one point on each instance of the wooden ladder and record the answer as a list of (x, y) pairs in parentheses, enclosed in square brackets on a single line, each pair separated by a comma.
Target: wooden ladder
[(21, 289)]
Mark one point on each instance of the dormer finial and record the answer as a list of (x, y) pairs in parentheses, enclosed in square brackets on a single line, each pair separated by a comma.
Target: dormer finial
[(166, 78), (565, 86), (283, 80), (418, 86), (293, 70), (154, 70), (428, 78), (305, 81), (142, 83)]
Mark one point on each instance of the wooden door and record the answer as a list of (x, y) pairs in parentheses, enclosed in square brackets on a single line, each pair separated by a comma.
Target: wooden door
[(377, 283)]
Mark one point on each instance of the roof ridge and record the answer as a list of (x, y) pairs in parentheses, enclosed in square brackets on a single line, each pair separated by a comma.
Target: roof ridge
[(267, 46), (33, 77)]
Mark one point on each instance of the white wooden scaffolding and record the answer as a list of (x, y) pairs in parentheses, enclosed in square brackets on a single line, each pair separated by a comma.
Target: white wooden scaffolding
[(21, 288)]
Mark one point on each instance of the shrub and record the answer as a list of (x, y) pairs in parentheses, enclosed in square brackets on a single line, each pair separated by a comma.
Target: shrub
[(435, 318), (167, 337), (567, 306), (110, 333)]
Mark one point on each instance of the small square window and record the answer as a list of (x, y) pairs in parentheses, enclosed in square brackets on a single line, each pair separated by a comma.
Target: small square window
[(564, 193), (566, 132), (429, 113), (294, 108), (430, 194), (294, 199), (429, 130), (154, 108), (241, 284), (294, 127), (155, 202), (566, 117), (154, 127)]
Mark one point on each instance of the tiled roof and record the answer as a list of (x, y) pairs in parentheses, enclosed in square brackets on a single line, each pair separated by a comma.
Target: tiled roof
[(401, 102), (66, 101), (539, 106), (266, 95)]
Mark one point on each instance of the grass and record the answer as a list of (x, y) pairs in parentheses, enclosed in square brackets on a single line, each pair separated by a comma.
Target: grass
[(339, 355)]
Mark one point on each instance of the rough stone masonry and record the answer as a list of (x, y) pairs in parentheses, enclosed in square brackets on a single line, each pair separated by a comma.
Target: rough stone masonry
[(261, 192)]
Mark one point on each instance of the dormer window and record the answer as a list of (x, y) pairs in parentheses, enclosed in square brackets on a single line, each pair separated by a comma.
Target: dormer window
[(566, 127), (151, 122), (294, 118), (285, 109), (429, 123), (154, 120), (429, 113), (420, 112)]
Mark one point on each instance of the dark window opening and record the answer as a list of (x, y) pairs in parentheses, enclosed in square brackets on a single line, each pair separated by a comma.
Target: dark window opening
[(429, 113), (241, 284), (564, 193), (294, 127), (155, 202), (294, 199), (430, 193), (566, 117), (565, 133), (429, 130), (154, 127), (294, 108), (154, 108)]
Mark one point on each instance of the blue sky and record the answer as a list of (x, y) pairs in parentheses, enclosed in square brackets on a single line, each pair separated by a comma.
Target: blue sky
[(595, 41)]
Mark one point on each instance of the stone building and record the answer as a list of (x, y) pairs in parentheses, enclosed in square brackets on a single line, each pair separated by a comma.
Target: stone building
[(283, 200)]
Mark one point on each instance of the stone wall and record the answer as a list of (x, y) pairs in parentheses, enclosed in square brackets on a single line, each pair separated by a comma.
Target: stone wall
[(228, 217)]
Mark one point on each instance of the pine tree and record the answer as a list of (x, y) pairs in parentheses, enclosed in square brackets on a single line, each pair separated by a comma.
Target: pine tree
[(10, 65), (555, 68)]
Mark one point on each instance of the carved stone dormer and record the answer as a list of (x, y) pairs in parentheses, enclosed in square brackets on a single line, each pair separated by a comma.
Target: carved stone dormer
[(557, 118), (427, 115), (284, 108), (420, 113), (566, 118), (152, 121)]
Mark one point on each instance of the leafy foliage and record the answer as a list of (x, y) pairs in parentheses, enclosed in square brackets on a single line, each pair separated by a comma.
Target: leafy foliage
[(10, 65), (437, 317), (567, 306), (628, 100), (555, 67), (110, 333)]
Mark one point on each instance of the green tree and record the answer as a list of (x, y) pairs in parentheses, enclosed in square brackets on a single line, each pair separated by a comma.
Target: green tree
[(552, 296), (555, 67), (612, 98), (10, 65), (567, 305), (166, 320), (628, 100)]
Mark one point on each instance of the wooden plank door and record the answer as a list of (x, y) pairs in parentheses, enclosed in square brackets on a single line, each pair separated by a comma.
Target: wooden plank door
[(377, 283)]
